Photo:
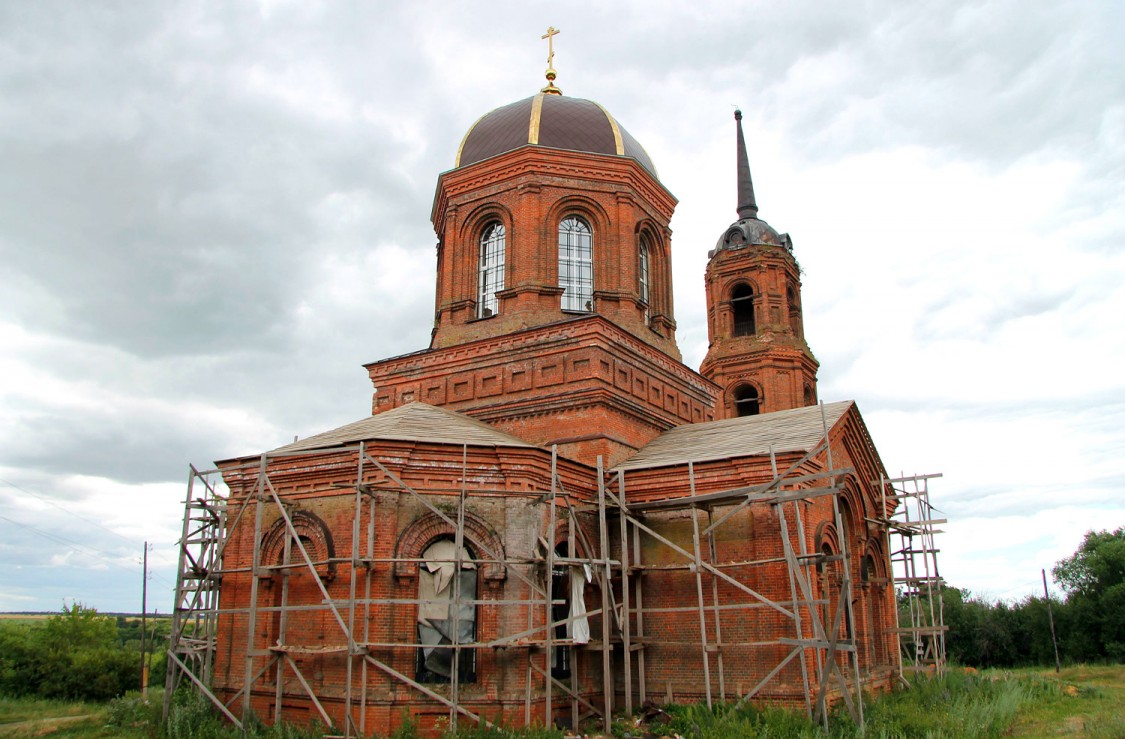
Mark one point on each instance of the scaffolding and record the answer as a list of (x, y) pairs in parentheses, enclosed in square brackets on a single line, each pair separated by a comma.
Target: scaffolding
[(911, 544), (819, 644)]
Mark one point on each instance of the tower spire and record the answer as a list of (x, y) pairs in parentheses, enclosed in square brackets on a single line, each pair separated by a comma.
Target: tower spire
[(747, 206)]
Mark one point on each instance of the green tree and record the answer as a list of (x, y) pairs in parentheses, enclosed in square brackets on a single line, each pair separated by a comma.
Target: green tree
[(1097, 566), (78, 628), (1094, 578)]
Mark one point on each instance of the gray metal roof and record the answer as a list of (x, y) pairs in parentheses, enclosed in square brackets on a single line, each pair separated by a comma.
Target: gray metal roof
[(412, 422), (795, 430)]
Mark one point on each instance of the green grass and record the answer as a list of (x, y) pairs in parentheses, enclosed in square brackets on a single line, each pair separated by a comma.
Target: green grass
[(1081, 701), (34, 717)]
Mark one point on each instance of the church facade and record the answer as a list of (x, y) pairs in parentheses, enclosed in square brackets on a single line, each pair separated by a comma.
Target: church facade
[(548, 517)]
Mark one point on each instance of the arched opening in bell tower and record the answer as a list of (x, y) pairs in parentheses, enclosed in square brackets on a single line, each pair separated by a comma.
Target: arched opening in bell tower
[(747, 400), (742, 310)]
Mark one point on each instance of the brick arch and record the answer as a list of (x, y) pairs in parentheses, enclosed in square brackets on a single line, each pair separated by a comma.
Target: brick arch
[(422, 531), (826, 533), (734, 282), (874, 550), (562, 535), (578, 204), (479, 217), (308, 526)]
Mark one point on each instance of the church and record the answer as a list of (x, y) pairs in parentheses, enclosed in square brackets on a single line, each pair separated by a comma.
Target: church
[(547, 517)]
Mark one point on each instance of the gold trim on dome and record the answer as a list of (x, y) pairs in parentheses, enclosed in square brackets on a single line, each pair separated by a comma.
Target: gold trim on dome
[(461, 148), (616, 130), (536, 117)]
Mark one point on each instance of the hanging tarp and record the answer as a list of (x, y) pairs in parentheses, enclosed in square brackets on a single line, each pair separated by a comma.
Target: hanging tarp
[(578, 629), (439, 616)]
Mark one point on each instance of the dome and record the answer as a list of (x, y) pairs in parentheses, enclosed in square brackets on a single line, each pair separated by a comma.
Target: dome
[(552, 121), (750, 232)]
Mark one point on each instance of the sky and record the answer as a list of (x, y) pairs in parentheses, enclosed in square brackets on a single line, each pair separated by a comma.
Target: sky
[(212, 214)]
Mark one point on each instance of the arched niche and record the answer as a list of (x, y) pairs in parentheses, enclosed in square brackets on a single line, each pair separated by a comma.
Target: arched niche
[(313, 534)]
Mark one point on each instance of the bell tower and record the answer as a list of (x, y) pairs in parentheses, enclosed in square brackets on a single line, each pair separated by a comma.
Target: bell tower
[(757, 352)]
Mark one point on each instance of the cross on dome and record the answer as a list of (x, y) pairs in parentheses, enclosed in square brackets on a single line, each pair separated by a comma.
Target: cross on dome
[(550, 89)]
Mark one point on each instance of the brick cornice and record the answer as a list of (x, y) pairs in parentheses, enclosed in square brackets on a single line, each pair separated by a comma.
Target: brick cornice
[(519, 168)]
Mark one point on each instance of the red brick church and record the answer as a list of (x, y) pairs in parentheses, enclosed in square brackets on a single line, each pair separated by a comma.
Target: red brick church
[(548, 517)]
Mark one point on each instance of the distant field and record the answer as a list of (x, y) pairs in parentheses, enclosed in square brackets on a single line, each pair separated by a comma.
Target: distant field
[(25, 617)]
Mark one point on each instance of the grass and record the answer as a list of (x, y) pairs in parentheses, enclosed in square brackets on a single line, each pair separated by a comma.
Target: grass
[(34, 717), (1084, 700)]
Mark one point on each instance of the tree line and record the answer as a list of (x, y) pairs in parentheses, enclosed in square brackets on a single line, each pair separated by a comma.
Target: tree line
[(1089, 621), (79, 654)]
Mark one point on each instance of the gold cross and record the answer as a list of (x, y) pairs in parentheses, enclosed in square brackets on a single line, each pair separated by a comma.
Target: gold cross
[(549, 35)]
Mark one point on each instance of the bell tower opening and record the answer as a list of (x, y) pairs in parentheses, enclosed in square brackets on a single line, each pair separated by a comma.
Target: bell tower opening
[(747, 401), (742, 309)]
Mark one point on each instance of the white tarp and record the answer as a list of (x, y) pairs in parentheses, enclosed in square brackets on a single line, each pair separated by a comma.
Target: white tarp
[(578, 629)]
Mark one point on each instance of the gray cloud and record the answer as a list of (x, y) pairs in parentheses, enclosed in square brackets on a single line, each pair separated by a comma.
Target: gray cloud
[(212, 214)]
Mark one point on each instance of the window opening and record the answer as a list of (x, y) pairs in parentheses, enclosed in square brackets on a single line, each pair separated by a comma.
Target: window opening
[(490, 269), (742, 304), (445, 610), (568, 584), (643, 277), (746, 401), (576, 264)]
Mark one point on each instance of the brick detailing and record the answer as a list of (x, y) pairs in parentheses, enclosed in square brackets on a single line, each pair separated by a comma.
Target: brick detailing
[(774, 358), (584, 383), (314, 535), (414, 539)]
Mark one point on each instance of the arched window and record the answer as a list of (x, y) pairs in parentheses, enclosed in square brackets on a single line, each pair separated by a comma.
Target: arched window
[(576, 264), (446, 613), (490, 269), (742, 306), (643, 277), (746, 400), (810, 396)]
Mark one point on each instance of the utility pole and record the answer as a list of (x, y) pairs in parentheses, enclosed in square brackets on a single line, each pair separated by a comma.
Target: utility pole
[(144, 629), (1051, 618)]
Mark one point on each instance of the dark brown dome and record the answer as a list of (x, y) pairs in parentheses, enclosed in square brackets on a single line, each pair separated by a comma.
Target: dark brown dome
[(553, 121)]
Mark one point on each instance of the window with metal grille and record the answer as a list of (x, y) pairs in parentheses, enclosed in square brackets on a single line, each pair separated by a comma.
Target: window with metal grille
[(490, 269), (576, 264)]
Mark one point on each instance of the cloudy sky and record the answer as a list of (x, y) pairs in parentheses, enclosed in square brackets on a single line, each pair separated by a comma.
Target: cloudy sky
[(212, 214)]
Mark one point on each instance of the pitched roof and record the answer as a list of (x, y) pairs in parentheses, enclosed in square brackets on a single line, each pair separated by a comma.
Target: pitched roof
[(795, 430), (411, 422)]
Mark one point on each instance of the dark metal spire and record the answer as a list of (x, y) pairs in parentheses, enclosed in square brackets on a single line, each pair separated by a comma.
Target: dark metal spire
[(747, 206)]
